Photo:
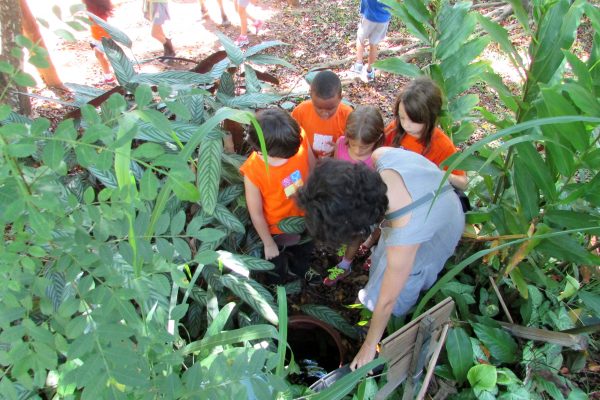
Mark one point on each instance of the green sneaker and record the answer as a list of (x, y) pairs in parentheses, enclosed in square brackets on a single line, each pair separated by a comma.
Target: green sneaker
[(341, 251), (336, 274)]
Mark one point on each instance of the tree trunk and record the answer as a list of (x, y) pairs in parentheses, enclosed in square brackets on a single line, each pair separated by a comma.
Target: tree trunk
[(31, 31), (10, 27)]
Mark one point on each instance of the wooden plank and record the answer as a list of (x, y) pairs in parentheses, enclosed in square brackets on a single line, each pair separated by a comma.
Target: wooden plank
[(401, 342)]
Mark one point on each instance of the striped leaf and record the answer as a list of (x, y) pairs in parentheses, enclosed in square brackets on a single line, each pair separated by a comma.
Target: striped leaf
[(234, 53), (209, 172), (107, 178), (251, 296), (252, 83), (250, 100), (230, 193), (116, 34), (263, 46), (331, 317), (292, 225), (228, 219), (294, 287), (120, 63), (173, 78), (149, 132), (226, 84), (255, 263), (56, 287), (268, 59)]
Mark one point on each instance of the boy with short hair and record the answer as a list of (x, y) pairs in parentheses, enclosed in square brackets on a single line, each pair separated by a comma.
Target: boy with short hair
[(373, 26), (323, 117), (270, 194)]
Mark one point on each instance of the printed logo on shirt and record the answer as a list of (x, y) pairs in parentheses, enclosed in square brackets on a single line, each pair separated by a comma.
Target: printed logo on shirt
[(323, 143), (292, 183)]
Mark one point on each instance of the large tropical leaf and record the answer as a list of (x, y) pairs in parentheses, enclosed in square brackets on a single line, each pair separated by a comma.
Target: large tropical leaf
[(230, 193), (341, 388), (253, 332), (228, 219), (174, 78), (499, 342), (252, 50), (116, 34), (209, 172), (251, 296), (292, 225), (121, 65), (268, 59), (398, 66), (460, 353), (234, 53), (454, 24)]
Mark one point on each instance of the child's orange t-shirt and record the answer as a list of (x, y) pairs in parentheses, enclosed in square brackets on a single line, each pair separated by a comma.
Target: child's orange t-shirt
[(97, 31), (279, 186), (321, 132), (440, 149)]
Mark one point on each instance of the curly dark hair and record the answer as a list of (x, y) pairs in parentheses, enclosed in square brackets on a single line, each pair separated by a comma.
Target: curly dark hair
[(101, 8), (281, 132), (342, 201)]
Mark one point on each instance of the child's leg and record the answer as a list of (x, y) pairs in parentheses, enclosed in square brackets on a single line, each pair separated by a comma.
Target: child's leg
[(372, 56), (224, 20), (241, 6), (349, 255), (158, 33), (102, 61)]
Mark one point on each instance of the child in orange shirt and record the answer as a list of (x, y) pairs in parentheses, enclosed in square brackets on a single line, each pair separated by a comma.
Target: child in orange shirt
[(416, 112), (323, 117), (102, 9), (270, 194)]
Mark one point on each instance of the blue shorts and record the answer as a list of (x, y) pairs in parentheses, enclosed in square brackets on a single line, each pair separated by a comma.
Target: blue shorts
[(158, 13)]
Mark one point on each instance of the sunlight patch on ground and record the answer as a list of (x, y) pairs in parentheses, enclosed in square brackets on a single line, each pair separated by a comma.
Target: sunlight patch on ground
[(501, 64)]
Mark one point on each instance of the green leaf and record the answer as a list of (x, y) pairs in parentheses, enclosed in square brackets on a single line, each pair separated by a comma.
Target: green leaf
[(580, 70), (292, 225), (500, 36), (65, 34), (250, 296), (115, 34), (177, 223), (460, 353), (209, 235), (179, 109), (268, 59), (591, 301), (183, 189), (228, 219), (483, 377), (24, 79), (527, 191), (121, 65), (253, 332), (331, 317), (254, 263), (209, 172), (148, 185), (252, 50), (501, 345), (184, 78), (230, 193), (583, 98), (455, 25), (398, 66), (143, 95), (537, 169), (341, 388), (234, 53), (53, 154)]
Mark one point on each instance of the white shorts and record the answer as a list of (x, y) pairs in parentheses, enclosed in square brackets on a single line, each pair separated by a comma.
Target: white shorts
[(374, 32)]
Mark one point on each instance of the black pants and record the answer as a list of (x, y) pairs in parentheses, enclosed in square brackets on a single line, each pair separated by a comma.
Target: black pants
[(292, 259)]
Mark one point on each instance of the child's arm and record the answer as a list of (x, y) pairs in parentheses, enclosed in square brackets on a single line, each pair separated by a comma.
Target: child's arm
[(255, 208), (458, 181), (311, 159)]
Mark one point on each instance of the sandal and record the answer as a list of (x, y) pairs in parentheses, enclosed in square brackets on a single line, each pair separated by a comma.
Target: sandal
[(362, 251)]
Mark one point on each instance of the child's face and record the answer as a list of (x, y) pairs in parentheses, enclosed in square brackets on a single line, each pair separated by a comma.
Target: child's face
[(358, 149), (412, 128), (326, 108)]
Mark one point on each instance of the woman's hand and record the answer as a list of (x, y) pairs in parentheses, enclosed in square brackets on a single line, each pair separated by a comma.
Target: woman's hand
[(365, 355), (271, 251)]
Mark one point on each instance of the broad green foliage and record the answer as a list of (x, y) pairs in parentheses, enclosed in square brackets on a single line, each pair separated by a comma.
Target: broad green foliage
[(534, 182), (126, 238)]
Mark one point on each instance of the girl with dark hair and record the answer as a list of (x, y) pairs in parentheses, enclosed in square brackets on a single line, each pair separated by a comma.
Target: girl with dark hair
[(414, 128), (364, 133), (419, 229), (102, 9)]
